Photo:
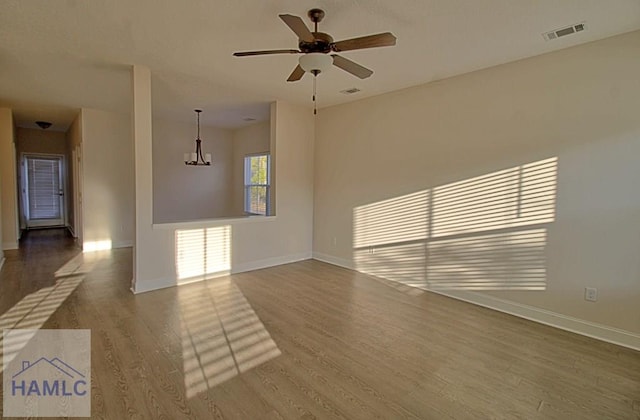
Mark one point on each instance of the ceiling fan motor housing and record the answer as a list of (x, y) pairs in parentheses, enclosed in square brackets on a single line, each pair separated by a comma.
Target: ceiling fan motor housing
[(321, 44)]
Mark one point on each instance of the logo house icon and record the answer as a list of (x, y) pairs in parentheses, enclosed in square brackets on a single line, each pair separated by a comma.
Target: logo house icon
[(48, 378)]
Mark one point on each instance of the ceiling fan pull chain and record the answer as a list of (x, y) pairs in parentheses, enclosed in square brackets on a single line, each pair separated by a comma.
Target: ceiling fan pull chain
[(315, 104)]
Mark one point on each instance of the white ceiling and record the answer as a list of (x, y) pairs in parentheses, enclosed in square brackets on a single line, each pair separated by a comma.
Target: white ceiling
[(57, 56)]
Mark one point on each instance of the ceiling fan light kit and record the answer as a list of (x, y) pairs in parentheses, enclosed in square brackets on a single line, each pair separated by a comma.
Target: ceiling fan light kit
[(315, 63), (318, 48), (196, 158)]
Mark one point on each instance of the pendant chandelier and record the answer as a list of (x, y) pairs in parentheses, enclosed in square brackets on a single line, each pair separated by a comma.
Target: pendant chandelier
[(196, 159)]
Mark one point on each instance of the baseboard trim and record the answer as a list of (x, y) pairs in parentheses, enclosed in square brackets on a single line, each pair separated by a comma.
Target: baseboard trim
[(270, 262), (7, 246), (166, 282), (553, 319), (114, 245), (330, 259), (542, 316), (122, 244), (155, 284), (70, 229)]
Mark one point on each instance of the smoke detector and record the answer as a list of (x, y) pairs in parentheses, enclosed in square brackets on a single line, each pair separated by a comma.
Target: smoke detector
[(559, 33)]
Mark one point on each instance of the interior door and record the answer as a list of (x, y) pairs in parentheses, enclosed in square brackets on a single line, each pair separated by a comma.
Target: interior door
[(44, 191)]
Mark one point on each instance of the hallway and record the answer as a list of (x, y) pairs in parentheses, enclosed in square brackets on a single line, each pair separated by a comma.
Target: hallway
[(42, 254)]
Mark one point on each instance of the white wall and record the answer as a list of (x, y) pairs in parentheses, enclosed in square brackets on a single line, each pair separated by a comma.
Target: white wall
[(288, 235), (108, 183), (253, 243), (246, 141), (579, 105), (181, 192), (10, 229)]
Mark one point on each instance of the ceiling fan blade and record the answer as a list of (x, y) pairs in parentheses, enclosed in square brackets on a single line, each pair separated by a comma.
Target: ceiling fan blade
[(351, 66), (296, 74), (297, 25), (266, 52), (370, 41)]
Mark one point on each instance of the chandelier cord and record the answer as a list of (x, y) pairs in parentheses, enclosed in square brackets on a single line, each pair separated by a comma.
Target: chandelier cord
[(198, 127), (199, 143)]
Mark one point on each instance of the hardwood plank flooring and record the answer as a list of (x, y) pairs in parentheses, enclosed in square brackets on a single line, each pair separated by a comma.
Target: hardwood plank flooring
[(306, 341)]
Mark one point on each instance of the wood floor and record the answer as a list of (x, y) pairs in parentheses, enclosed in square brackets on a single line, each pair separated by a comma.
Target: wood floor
[(308, 340)]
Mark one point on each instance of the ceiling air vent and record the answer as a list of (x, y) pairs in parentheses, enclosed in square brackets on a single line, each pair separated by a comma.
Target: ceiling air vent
[(558, 33), (350, 91)]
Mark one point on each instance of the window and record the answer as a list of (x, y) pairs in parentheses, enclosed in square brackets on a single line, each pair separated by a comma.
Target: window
[(44, 191), (257, 180)]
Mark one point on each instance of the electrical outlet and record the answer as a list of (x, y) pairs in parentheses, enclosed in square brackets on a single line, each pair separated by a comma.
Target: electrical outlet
[(335, 241), (590, 294)]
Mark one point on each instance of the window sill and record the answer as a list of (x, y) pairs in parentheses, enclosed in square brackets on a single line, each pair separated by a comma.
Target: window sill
[(220, 221)]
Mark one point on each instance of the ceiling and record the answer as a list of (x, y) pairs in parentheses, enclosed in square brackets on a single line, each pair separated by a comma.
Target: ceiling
[(57, 56)]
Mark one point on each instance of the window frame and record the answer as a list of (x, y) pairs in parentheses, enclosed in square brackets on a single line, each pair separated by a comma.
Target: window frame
[(248, 185)]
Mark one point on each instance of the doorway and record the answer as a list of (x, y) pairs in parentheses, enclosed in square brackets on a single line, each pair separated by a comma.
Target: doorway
[(43, 191)]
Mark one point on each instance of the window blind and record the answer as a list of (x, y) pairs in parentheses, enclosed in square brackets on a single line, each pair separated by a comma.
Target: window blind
[(44, 188)]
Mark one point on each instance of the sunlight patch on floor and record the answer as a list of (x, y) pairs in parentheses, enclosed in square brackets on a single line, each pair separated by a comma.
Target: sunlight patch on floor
[(33, 310), (222, 336)]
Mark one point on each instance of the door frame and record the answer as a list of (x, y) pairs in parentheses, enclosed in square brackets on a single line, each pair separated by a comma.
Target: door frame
[(77, 193), (24, 187)]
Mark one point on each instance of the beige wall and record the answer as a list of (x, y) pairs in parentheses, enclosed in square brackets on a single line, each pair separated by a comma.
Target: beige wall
[(246, 141), (108, 183), (10, 229), (182, 192), (579, 105), (32, 140)]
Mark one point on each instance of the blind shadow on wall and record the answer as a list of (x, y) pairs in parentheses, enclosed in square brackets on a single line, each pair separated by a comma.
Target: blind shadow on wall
[(484, 233)]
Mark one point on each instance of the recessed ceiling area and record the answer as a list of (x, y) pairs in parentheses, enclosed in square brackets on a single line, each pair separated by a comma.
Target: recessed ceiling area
[(77, 54), (61, 117)]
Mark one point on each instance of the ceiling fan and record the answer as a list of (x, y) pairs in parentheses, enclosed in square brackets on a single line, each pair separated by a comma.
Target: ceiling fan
[(318, 48)]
